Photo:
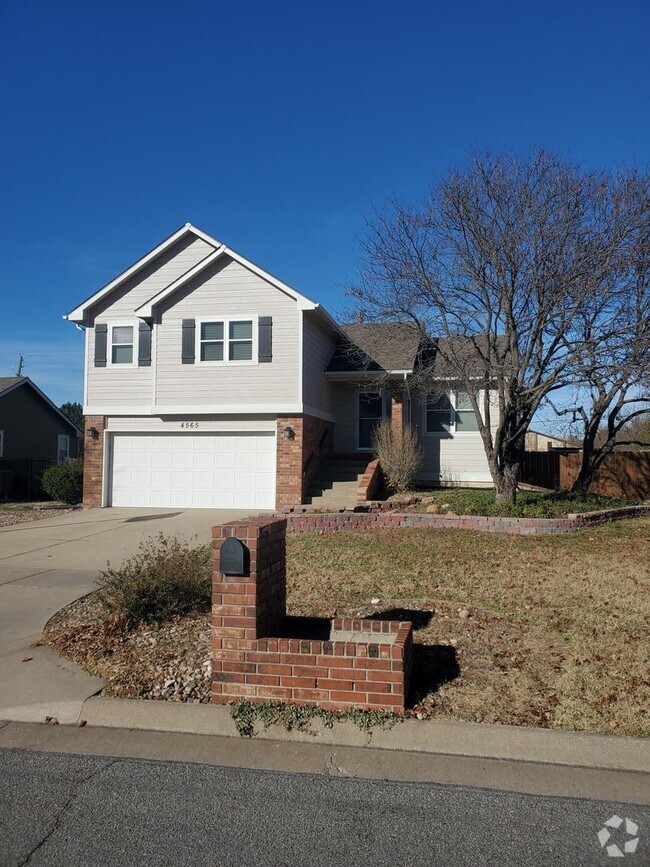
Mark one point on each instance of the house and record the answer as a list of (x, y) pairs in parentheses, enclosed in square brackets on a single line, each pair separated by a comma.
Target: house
[(34, 433), (540, 442), (211, 383)]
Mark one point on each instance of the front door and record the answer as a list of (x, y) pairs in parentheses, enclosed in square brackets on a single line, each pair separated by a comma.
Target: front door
[(372, 407)]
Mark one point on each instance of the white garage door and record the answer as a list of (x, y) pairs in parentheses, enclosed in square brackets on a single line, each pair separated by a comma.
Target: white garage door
[(207, 470)]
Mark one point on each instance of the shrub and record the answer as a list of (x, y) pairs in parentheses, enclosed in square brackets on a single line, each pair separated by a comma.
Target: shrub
[(166, 578), (400, 457), (64, 482)]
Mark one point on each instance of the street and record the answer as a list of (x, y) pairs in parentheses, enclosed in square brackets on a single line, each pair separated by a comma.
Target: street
[(60, 809)]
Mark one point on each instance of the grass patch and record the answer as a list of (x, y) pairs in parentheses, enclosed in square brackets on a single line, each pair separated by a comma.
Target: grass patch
[(547, 631), (530, 504)]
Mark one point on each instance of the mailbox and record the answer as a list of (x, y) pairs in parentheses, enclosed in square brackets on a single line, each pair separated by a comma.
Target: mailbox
[(234, 557)]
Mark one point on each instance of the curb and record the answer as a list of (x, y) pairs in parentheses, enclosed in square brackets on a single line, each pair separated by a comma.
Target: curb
[(507, 743)]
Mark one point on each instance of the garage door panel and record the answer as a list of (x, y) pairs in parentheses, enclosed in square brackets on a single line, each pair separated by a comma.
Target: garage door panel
[(234, 470)]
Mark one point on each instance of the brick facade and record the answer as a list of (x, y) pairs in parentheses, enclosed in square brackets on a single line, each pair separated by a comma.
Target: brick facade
[(261, 655), (299, 456), (93, 461)]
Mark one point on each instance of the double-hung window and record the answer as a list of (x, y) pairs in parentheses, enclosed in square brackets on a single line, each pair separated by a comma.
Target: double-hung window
[(226, 340), (449, 412), (121, 344)]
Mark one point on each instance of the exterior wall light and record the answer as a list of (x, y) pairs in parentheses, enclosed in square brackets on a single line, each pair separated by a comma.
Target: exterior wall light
[(289, 433), (92, 433)]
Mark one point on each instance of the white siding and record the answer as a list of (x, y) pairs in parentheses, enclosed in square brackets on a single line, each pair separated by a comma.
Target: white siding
[(227, 289), (133, 386), (457, 458), (318, 347)]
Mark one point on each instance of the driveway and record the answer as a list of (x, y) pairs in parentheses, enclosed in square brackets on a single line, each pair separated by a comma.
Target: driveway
[(44, 565)]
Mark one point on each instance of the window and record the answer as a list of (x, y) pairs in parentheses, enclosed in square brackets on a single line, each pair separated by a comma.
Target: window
[(121, 344), (62, 448), (439, 414), (450, 412), (465, 416), (227, 340)]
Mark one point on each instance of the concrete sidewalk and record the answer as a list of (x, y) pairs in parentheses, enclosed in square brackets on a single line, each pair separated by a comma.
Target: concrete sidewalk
[(45, 565)]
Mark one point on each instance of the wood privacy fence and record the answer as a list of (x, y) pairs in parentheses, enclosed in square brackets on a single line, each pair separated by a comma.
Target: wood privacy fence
[(541, 469), (622, 474)]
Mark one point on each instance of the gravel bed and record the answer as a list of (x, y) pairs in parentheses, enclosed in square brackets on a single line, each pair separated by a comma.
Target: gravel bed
[(22, 514)]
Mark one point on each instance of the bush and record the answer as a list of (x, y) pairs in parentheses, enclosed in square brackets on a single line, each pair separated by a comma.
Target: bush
[(166, 578), (64, 482), (401, 457)]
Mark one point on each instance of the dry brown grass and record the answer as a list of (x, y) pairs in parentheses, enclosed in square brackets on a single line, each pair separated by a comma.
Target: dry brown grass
[(551, 631)]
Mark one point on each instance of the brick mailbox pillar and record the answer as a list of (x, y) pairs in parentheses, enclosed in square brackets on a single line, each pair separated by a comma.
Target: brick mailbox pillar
[(255, 655)]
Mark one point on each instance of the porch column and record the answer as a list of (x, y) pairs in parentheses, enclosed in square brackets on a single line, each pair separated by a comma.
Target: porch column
[(397, 414)]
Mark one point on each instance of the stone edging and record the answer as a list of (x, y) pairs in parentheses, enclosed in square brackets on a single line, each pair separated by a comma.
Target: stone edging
[(302, 519)]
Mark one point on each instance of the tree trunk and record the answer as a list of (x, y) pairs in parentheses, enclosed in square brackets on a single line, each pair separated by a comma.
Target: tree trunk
[(505, 482), (586, 472)]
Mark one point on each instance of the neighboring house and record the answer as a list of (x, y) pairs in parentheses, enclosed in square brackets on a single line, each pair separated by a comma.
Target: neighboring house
[(211, 383), (541, 442), (34, 433)]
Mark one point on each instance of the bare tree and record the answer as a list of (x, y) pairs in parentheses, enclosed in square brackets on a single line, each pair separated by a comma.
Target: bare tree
[(611, 364), (494, 267)]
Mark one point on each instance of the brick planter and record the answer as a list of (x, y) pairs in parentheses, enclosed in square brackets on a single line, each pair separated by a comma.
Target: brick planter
[(260, 654)]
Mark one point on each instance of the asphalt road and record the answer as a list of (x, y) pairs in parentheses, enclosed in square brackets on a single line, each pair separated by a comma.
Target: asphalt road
[(71, 810)]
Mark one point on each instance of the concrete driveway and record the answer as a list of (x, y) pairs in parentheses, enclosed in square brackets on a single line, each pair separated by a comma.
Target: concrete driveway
[(44, 565)]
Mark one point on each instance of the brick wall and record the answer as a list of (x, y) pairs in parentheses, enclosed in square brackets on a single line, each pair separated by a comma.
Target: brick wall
[(301, 521), (252, 659), (306, 446), (370, 483), (93, 462)]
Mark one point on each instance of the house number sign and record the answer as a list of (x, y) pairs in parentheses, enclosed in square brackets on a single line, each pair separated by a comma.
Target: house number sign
[(190, 424)]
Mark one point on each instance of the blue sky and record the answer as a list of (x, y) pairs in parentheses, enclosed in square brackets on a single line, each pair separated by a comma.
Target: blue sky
[(275, 127)]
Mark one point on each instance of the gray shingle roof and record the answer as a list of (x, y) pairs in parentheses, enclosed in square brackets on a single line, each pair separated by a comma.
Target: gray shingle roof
[(7, 381), (376, 347)]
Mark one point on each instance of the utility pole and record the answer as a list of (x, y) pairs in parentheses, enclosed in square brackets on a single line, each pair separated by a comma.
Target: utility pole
[(21, 364)]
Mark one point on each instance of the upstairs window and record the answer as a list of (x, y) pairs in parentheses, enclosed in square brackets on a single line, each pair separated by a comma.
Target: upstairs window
[(226, 340), (121, 344), (465, 416)]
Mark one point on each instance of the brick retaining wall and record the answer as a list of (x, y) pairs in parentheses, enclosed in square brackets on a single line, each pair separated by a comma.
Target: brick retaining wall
[(300, 521)]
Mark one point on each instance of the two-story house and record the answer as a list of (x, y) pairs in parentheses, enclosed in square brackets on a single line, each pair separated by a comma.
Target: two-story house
[(211, 383)]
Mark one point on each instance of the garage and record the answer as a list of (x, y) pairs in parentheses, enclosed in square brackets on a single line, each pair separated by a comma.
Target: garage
[(193, 470)]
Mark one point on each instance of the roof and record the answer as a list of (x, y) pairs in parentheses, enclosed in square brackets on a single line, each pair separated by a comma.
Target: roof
[(377, 347), (220, 249), (7, 381), (10, 383), (403, 347)]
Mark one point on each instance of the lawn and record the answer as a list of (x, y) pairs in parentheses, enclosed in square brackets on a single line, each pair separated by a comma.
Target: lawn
[(530, 504), (547, 631)]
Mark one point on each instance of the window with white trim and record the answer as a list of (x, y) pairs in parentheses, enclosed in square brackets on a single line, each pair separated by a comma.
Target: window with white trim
[(226, 340), (449, 412), (121, 344), (62, 448)]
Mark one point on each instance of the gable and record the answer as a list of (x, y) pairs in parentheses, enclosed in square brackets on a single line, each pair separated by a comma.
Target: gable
[(164, 271), (22, 391)]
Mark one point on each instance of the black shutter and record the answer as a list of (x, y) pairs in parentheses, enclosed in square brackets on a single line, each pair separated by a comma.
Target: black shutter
[(101, 339), (188, 343), (265, 339), (144, 345)]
